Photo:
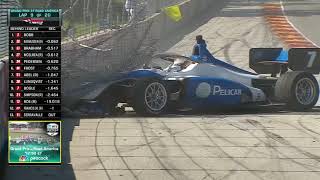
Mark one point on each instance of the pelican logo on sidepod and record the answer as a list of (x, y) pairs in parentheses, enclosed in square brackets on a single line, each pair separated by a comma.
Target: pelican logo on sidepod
[(218, 90), (205, 89)]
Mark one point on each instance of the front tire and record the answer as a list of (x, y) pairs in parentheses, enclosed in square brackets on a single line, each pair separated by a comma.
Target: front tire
[(109, 102), (150, 97), (299, 90)]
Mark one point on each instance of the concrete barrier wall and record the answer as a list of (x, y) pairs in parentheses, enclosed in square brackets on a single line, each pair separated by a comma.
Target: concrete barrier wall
[(85, 68)]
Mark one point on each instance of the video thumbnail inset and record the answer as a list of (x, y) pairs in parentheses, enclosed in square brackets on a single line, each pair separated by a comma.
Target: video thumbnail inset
[(34, 142)]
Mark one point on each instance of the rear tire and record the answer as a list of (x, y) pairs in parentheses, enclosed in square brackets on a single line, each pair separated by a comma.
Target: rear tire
[(298, 89), (151, 97)]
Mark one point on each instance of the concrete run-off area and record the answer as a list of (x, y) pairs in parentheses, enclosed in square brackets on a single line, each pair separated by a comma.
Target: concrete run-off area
[(193, 147)]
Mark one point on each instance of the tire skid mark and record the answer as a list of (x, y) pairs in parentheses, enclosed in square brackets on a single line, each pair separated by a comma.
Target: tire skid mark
[(306, 128), (231, 172), (233, 40), (244, 146), (118, 151), (273, 151), (263, 171), (243, 39), (276, 19), (153, 152), (237, 145), (228, 155), (276, 150), (156, 139), (208, 174), (160, 141), (238, 127), (277, 157), (97, 152), (141, 145), (281, 140)]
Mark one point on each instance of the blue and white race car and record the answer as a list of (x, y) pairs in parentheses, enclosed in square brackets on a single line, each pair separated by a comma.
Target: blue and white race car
[(212, 83)]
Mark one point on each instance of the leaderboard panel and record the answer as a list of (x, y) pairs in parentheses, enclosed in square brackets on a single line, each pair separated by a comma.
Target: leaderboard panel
[(34, 87)]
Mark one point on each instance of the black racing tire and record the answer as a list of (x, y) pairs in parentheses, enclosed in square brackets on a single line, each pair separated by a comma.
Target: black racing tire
[(109, 103), (112, 109), (140, 104), (287, 90)]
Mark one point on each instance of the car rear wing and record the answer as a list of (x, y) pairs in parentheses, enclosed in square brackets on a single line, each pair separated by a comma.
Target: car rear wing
[(273, 60)]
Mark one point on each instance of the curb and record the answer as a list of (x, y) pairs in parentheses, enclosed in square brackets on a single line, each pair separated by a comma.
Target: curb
[(280, 26)]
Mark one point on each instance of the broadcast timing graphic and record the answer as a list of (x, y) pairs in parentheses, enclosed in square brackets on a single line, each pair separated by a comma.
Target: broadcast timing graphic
[(34, 86)]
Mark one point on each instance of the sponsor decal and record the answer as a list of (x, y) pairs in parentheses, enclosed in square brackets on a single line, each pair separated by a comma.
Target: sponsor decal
[(204, 90), (218, 90)]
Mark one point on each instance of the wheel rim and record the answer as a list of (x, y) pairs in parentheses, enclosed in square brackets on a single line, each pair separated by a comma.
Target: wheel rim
[(155, 96), (305, 91)]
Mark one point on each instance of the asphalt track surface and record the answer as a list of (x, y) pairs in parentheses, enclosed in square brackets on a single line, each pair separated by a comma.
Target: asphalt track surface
[(256, 143)]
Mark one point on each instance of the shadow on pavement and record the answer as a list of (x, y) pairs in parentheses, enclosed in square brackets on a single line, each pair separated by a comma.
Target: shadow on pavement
[(259, 110), (234, 111)]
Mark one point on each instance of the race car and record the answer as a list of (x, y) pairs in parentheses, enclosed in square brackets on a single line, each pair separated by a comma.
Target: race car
[(186, 83)]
